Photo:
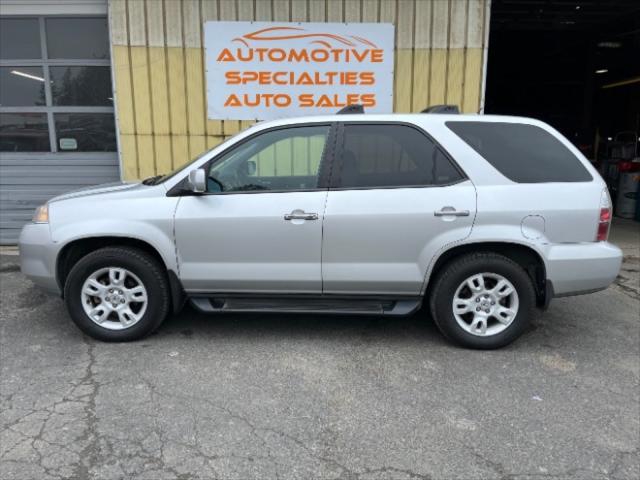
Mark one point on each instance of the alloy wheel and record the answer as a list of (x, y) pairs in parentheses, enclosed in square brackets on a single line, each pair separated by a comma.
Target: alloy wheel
[(114, 298), (485, 304)]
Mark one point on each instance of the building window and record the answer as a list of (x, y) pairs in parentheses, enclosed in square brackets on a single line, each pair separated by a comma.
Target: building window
[(85, 132), (22, 87), (63, 34), (55, 91), (24, 132), (20, 38)]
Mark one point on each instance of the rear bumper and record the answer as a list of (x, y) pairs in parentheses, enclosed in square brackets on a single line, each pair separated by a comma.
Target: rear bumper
[(575, 269), (38, 256)]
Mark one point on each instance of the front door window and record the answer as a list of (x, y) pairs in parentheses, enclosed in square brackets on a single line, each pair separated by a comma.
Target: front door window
[(279, 160)]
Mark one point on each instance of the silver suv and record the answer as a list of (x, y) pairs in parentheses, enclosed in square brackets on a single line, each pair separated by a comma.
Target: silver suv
[(480, 218)]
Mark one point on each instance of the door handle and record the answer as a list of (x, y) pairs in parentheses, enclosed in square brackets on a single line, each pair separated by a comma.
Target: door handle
[(300, 215), (451, 212)]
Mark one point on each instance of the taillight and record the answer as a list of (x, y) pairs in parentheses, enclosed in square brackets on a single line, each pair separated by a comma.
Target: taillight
[(603, 225), (604, 221)]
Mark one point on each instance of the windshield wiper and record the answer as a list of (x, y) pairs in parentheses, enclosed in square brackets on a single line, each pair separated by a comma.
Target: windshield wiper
[(152, 180), (253, 186)]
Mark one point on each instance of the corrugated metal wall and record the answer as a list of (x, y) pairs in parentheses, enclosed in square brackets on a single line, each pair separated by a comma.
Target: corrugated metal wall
[(158, 63)]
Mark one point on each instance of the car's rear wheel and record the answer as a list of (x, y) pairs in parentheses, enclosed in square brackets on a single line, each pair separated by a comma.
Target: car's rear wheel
[(482, 300), (117, 294)]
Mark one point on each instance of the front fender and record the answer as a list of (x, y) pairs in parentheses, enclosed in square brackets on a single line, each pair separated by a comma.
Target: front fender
[(159, 235)]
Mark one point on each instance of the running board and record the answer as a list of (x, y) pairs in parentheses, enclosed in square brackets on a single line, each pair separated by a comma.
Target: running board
[(350, 306)]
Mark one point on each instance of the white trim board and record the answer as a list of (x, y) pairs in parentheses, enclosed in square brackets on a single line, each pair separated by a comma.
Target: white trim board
[(485, 54), (53, 7)]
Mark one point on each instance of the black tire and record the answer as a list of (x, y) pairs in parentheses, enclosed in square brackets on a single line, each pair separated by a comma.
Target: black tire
[(457, 271), (138, 262)]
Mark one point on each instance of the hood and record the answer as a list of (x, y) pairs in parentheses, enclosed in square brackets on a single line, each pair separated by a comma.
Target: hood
[(99, 189)]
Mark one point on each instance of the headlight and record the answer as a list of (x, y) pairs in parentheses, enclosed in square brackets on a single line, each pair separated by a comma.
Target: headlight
[(42, 214)]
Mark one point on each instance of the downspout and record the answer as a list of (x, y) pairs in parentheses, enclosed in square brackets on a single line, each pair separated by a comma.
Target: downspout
[(114, 95)]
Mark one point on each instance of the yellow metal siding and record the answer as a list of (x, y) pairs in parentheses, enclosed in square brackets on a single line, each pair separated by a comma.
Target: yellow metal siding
[(160, 84)]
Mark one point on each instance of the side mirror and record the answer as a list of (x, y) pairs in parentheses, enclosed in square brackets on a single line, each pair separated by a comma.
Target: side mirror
[(198, 180), (251, 168)]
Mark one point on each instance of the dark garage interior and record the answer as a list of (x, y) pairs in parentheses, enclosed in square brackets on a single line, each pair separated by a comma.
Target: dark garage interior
[(575, 65)]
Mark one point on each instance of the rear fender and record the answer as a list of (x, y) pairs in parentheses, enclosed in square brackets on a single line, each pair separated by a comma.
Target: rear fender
[(504, 234)]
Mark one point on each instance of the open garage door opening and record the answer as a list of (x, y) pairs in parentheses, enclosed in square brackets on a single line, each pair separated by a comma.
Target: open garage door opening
[(573, 64)]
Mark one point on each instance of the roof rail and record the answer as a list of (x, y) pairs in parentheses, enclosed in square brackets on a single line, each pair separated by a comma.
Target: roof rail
[(349, 109), (442, 109)]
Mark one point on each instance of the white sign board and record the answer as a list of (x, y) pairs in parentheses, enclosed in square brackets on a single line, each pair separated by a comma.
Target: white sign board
[(266, 70)]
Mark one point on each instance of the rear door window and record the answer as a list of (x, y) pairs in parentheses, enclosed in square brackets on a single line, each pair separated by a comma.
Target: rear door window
[(387, 155), (522, 153)]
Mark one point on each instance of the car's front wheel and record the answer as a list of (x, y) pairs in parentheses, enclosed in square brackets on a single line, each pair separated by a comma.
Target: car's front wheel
[(117, 294), (482, 300)]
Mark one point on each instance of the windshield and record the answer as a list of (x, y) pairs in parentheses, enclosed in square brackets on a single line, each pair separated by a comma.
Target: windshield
[(158, 179)]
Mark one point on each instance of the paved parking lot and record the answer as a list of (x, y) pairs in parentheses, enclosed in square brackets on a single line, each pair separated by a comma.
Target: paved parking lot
[(322, 397)]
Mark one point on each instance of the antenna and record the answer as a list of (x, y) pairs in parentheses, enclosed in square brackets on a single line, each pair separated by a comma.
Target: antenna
[(442, 109), (349, 109)]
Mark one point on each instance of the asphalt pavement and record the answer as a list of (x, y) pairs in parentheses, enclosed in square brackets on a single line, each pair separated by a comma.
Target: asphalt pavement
[(301, 396)]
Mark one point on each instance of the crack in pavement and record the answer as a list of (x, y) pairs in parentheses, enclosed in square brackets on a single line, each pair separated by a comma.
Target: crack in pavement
[(90, 451), (259, 431), (75, 426)]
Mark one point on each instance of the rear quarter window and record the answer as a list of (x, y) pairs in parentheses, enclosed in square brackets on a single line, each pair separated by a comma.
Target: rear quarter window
[(522, 153)]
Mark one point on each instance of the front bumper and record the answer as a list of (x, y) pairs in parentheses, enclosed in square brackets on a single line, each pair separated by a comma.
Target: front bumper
[(38, 256), (575, 269)]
